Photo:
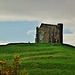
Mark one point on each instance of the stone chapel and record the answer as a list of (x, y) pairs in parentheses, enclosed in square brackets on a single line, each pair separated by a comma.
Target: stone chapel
[(49, 33)]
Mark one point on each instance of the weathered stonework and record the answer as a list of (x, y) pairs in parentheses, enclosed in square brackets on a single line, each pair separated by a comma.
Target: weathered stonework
[(48, 33)]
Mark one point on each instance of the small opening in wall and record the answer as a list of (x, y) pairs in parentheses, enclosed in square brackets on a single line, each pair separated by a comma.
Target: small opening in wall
[(40, 36)]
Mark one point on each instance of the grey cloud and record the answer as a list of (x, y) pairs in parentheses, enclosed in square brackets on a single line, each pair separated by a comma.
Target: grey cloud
[(34, 7), (51, 11)]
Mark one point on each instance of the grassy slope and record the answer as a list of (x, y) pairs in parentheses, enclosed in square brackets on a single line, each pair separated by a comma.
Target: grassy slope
[(42, 59)]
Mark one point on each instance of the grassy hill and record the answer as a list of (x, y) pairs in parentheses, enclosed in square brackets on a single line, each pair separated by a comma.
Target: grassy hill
[(42, 58)]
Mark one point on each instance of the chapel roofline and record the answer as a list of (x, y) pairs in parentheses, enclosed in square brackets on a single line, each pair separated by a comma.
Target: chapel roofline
[(44, 24)]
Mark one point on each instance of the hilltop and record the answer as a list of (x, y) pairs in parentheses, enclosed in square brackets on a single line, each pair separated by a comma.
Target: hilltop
[(42, 58)]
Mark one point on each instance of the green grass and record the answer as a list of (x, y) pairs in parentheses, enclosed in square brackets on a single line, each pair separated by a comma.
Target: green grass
[(42, 58)]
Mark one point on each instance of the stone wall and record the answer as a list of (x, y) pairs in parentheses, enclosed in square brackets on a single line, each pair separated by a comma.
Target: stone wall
[(48, 33)]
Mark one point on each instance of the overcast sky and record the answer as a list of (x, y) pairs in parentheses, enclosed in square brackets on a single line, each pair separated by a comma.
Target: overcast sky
[(33, 12)]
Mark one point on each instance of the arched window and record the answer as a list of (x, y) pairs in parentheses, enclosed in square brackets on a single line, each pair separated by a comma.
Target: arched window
[(40, 36)]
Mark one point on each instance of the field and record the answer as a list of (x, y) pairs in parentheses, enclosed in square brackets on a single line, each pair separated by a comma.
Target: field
[(42, 58)]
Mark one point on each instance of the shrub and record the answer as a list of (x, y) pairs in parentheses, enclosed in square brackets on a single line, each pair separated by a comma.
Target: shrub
[(12, 70)]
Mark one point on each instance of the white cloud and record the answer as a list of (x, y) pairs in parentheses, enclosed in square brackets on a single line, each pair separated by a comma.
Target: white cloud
[(2, 42), (69, 39), (30, 32)]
